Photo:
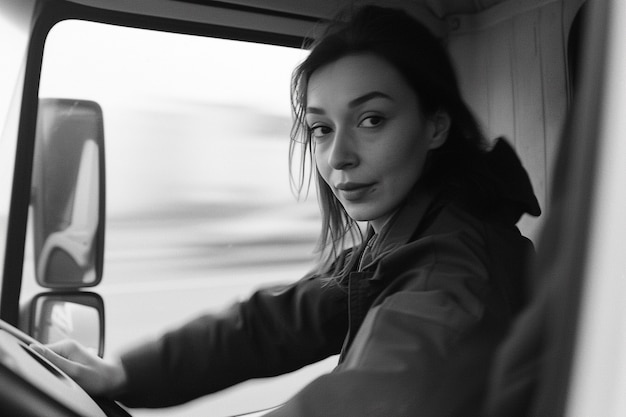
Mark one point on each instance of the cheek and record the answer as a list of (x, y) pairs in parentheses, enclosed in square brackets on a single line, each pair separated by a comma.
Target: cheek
[(321, 165), (404, 165), (405, 159), (404, 171)]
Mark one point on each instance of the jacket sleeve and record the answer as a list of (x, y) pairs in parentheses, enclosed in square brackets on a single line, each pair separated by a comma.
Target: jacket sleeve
[(425, 349), (275, 331)]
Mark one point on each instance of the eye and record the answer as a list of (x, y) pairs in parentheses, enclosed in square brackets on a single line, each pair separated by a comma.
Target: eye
[(320, 131), (372, 121)]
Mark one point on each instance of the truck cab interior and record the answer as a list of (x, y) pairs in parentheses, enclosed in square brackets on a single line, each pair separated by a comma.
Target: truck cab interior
[(536, 72)]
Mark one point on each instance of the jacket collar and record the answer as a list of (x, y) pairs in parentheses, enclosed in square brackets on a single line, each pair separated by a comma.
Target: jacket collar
[(400, 227)]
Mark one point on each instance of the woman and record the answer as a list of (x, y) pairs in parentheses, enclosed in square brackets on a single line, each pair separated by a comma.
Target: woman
[(415, 310)]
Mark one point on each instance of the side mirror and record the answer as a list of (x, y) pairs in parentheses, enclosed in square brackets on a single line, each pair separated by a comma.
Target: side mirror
[(68, 197), (77, 316)]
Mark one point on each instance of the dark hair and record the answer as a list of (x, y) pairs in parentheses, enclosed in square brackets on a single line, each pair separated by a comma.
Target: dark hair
[(423, 61)]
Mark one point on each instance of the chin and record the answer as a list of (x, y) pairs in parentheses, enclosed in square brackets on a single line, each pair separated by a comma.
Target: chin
[(361, 215)]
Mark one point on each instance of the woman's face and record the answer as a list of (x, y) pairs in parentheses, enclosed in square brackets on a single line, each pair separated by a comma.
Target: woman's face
[(370, 135)]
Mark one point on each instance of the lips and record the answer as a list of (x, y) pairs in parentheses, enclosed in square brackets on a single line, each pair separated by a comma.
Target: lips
[(353, 191)]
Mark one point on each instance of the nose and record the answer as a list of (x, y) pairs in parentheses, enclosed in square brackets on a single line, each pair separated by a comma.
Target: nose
[(343, 153)]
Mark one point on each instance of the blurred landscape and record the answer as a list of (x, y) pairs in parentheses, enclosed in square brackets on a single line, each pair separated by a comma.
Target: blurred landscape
[(200, 212)]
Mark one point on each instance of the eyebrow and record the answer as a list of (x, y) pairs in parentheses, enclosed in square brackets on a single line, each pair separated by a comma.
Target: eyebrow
[(355, 102)]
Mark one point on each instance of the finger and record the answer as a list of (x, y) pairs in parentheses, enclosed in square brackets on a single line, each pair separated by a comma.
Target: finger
[(69, 367), (73, 351), (37, 348), (66, 348)]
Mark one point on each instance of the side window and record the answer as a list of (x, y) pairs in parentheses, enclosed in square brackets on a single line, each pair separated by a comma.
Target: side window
[(199, 209)]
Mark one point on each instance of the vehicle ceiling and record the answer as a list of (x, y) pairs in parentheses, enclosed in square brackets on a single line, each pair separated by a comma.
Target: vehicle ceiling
[(304, 8), (291, 17), (325, 8)]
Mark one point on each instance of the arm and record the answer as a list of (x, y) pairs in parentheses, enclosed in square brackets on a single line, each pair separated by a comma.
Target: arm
[(275, 331)]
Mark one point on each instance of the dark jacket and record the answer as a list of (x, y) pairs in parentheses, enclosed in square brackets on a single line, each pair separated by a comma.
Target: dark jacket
[(416, 325)]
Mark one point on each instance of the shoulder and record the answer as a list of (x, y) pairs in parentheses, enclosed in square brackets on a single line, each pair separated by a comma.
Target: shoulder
[(449, 218), (493, 251), (449, 237)]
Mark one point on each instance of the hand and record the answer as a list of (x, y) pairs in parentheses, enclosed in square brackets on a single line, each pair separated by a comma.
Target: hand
[(95, 375)]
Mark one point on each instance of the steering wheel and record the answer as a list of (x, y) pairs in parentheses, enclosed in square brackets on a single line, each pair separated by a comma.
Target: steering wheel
[(33, 387)]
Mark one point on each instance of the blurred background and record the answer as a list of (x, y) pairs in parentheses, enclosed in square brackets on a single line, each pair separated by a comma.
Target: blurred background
[(200, 211)]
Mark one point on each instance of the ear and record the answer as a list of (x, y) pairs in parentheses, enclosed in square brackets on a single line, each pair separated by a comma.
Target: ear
[(441, 127)]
